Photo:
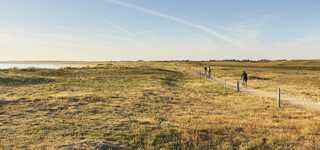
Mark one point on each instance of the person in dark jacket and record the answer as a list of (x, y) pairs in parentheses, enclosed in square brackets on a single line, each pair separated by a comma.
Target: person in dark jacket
[(210, 73), (244, 78), (205, 71)]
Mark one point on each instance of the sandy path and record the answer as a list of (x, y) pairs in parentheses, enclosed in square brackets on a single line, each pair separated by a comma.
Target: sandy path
[(296, 101)]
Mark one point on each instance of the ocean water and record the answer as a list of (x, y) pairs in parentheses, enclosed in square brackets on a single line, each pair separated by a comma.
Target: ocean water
[(31, 65)]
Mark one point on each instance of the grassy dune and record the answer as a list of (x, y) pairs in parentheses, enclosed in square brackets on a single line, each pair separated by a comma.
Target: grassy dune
[(298, 78), (145, 105)]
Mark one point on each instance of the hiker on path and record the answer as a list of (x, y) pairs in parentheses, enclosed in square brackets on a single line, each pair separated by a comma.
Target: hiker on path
[(244, 78), (205, 71), (209, 73)]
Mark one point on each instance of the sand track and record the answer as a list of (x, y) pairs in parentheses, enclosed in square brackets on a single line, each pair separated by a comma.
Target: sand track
[(292, 100)]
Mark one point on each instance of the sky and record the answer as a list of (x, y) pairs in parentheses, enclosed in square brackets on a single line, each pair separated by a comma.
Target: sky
[(159, 29)]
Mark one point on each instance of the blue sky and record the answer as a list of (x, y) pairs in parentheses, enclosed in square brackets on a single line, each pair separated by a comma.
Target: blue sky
[(159, 29)]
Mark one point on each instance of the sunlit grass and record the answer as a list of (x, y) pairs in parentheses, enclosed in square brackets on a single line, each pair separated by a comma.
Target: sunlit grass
[(143, 105)]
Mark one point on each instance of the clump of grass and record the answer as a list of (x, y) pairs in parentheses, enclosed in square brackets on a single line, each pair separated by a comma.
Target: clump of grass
[(24, 81)]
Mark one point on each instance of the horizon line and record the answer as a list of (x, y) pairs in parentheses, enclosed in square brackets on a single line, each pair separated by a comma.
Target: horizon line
[(160, 60)]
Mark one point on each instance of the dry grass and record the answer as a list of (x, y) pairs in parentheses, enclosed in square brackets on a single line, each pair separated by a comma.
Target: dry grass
[(142, 105), (297, 78)]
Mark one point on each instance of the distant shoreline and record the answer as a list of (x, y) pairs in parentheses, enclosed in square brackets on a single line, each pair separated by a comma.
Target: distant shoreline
[(46, 62), (107, 61)]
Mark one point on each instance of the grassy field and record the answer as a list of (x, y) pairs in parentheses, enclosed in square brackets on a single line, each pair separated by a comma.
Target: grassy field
[(156, 105), (298, 78)]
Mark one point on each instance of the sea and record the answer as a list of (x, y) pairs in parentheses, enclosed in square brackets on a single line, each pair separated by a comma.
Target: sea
[(33, 65)]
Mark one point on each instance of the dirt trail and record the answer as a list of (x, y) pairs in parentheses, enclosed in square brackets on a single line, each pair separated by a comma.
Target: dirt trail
[(297, 101)]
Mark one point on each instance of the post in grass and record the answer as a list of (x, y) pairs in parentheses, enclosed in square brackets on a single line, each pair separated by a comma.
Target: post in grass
[(279, 98), (238, 86)]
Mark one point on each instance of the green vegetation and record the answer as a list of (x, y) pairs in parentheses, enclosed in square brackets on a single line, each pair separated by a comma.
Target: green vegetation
[(147, 105)]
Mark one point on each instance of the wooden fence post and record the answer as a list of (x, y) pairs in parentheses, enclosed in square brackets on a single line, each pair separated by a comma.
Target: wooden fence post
[(279, 98), (238, 86)]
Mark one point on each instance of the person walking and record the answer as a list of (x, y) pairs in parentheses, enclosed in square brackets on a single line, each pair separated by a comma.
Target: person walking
[(205, 71), (210, 73), (244, 78)]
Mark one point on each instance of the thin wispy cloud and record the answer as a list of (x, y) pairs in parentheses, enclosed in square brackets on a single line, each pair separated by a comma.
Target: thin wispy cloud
[(102, 36), (108, 29), (173, 18), (120, 28), (126, 31)]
